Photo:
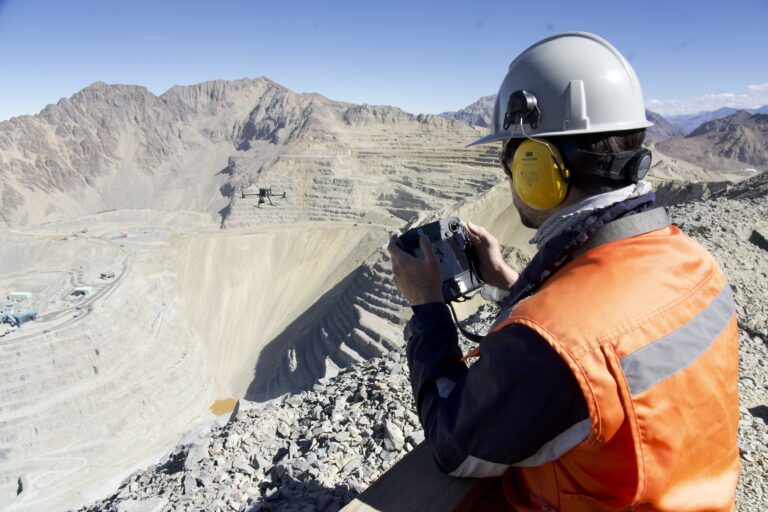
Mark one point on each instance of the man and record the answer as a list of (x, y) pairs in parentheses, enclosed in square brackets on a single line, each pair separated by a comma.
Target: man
[(608, 381)]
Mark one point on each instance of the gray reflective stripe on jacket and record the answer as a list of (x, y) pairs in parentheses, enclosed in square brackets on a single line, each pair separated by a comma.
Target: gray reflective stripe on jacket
[(553, 450), (674, 352)]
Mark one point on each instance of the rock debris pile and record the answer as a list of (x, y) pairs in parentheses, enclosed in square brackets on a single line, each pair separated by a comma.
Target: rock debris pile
[(316, 450), (310, 451)]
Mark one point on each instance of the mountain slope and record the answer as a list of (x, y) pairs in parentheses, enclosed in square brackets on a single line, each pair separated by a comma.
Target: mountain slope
[(661, 129), (479, 113), (195, 147), (120, 146), (734, 142), (689, 122)]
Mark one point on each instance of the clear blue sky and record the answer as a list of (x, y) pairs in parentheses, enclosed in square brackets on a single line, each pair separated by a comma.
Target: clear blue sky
[(423, 56)]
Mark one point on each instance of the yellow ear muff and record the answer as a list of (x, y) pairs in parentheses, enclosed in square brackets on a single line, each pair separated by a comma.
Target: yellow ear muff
[(539, 175)]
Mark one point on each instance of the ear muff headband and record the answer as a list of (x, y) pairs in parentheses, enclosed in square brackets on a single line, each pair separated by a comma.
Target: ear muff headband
[(539, 175)]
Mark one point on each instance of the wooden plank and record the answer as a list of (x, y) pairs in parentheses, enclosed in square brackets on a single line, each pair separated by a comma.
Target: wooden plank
[(417, 484)]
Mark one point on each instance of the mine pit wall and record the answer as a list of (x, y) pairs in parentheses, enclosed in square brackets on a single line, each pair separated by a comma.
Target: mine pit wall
[(240, 291), (82, 404), (360, 318), (276, 310), (363, 315)]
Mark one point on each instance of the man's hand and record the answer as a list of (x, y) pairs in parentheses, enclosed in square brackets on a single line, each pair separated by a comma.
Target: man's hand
[(418, 280), (493, 268)]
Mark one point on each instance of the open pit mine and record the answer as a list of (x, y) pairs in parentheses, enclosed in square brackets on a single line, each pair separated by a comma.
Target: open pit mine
[(164, 257)]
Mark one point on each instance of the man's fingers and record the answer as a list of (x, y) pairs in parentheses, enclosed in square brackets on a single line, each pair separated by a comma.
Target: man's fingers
[(392, 243), (394, 250), (474, 238), (478, 231), (398, 254), (482, 234), (426, 248)]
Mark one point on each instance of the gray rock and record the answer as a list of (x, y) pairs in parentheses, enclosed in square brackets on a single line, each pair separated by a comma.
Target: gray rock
[(340, 437), (300, 465), (148, 505), (190, 484), (194, 456), (205, 479), (283, 430), (352, 464), (416, 437), (280, 470), (259, 462), (222, 462), (233, 440), (217, 447), (245, 468), (394, 439)]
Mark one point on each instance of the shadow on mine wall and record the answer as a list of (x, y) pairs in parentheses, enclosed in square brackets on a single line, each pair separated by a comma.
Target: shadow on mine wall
[(272, 376)]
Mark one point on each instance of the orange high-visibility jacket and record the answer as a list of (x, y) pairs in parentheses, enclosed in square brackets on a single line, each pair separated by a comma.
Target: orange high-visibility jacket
[(648, 326)]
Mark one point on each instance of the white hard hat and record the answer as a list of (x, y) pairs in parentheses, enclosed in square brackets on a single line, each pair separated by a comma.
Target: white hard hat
[(567, 84)]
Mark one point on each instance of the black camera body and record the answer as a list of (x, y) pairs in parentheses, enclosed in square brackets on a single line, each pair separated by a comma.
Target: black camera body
[(453, 250)]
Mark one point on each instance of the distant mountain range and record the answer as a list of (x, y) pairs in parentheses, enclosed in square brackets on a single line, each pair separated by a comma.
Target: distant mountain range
[(689, 122), (480, 114), (725, 139), (662, 129), (737, 141)]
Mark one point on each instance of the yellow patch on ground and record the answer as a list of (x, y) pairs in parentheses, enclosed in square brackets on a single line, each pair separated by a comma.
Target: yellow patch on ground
[(223, 406)]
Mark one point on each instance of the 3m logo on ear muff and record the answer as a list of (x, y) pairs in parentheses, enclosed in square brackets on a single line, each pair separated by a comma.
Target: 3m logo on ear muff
[(539, 175)]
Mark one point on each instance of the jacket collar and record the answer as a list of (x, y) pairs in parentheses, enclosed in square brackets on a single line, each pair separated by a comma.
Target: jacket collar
[(557, 250), (582, 209)]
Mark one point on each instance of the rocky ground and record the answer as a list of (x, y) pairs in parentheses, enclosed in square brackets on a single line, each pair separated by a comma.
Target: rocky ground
[(318, 449)]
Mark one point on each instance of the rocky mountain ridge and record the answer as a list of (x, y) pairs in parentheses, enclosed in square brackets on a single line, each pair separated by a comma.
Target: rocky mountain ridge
[(662, 129), (479, 113), (737, 141), (194, 147), (689, 122)]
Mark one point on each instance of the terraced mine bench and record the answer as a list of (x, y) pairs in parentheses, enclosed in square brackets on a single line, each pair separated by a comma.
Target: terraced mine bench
[(416, 484)]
